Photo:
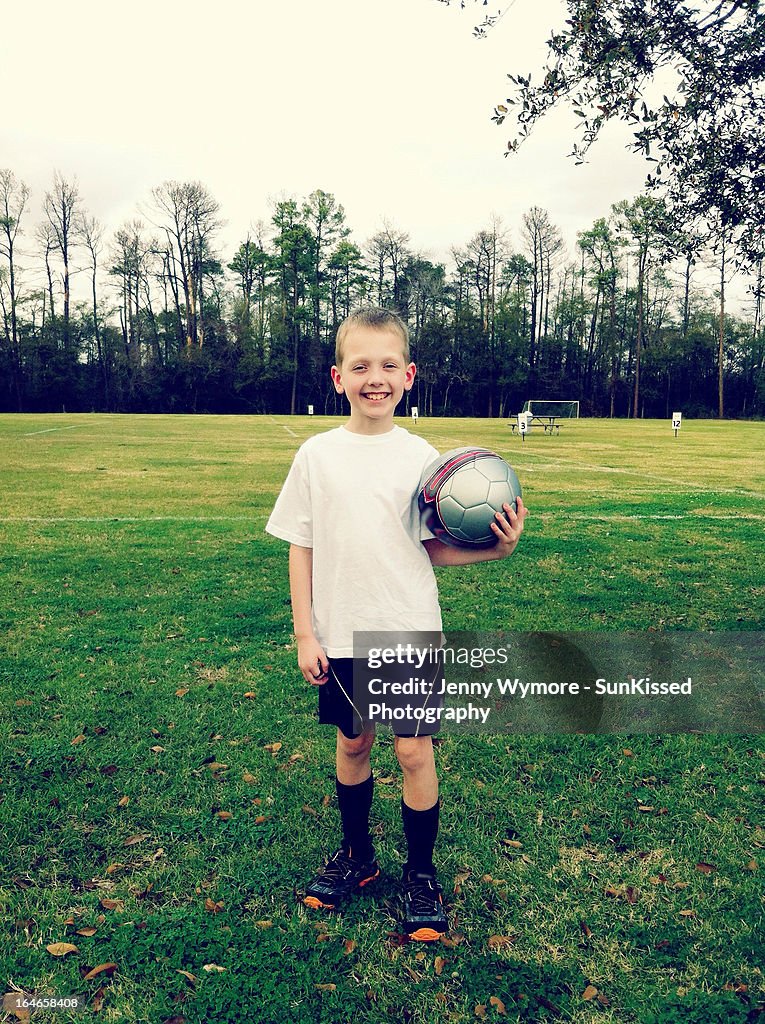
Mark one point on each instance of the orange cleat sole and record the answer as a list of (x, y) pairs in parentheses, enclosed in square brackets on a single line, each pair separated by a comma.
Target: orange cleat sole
[(425, 935), (316, 904)]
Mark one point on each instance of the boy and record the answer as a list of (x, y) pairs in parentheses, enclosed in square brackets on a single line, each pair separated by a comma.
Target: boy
[(361, 560)]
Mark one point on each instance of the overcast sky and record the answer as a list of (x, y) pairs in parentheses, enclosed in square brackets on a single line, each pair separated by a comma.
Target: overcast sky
[(385, 104)]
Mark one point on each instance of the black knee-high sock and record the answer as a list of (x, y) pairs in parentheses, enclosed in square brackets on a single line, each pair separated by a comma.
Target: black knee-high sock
[(420, 829), (355, 803)]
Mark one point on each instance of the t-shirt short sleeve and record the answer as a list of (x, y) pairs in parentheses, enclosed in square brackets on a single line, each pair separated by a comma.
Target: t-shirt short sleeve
[(291, 519)]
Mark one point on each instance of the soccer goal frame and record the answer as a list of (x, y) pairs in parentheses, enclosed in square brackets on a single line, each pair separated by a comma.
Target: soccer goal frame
[(560, 409)]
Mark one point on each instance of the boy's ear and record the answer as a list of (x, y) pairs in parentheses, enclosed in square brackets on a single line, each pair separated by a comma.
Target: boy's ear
[(337, 380), (410, 372)]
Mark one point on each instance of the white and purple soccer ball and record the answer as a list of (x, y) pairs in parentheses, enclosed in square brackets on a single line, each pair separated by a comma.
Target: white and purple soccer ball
[(461, 491)]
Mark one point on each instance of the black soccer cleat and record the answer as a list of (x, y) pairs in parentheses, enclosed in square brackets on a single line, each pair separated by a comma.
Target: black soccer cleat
[(342, 876), (424, 915)]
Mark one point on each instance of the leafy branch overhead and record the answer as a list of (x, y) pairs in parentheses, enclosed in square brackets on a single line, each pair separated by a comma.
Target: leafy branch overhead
[(687, 78)]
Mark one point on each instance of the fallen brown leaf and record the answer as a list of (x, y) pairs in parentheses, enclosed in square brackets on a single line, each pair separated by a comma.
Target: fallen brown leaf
[(77, 740), (438, 964), (134, 840), (589, 993), (326, 988), (61, 948), (107, 968), (498, 1005), (9, 1005), (117, 905)]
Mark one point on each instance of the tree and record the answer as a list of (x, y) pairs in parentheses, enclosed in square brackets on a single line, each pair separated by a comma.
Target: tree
[(190, 221), (640, 222), (91, 233), (389, 249), (325, 219), (61, 207), (294, 264), (544, 243), (705, 137), (600, 245), (13, 198)]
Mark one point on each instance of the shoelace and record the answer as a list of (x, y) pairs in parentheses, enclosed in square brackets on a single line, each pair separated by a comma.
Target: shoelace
[(423, 896), (339, 865)]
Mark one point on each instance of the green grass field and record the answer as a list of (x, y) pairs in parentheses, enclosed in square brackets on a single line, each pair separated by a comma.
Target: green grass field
[(165, 791)]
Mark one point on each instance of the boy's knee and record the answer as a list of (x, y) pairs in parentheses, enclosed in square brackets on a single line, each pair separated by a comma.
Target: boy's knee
[(357, 747), (413, 752)]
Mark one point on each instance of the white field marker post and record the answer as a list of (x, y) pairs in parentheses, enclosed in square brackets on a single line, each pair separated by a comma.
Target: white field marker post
[(415, 413), (523, 425), (310, 410), (677, 421)]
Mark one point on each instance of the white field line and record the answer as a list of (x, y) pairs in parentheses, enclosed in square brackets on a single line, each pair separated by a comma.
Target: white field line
[(594, 468), (624, 517), (290, 432), (49, 430), (132, 519), (580, 517)]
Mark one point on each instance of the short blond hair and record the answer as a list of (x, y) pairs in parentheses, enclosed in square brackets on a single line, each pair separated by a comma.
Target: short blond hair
[(376, 317)]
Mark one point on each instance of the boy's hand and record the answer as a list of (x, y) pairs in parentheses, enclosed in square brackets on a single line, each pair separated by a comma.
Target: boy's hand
[(508, 529), (312, 661)]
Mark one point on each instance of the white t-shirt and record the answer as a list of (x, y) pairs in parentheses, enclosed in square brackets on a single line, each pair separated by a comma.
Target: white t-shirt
[(353, 499)]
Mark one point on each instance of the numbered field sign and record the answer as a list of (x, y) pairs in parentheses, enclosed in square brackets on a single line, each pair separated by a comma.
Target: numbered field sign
[(523, 423), (415, 412), (677, 421), (310, 410)]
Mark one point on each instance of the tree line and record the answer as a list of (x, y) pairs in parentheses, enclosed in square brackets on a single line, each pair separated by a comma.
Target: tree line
[(172, 324)]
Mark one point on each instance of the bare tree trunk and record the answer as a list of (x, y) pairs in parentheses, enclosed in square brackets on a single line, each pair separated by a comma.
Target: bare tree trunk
[(721, 338)]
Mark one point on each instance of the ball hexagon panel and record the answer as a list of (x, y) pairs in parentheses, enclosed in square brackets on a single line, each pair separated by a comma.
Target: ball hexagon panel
[(450, 512), (476, 523), (499, 493), (468, 487), (493, 469)]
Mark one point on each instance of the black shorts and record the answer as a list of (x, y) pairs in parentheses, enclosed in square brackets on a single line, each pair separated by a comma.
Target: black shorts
[(347, 707)]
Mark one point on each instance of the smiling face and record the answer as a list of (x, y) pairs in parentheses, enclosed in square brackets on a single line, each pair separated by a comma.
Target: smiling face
[(374, 375)]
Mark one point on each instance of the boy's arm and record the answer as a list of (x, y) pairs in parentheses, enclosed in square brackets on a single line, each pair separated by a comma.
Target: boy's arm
[(508, 529), (311, 656)]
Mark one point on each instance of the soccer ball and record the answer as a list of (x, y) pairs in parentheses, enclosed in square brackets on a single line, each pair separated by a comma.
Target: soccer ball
[(460, 492)]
